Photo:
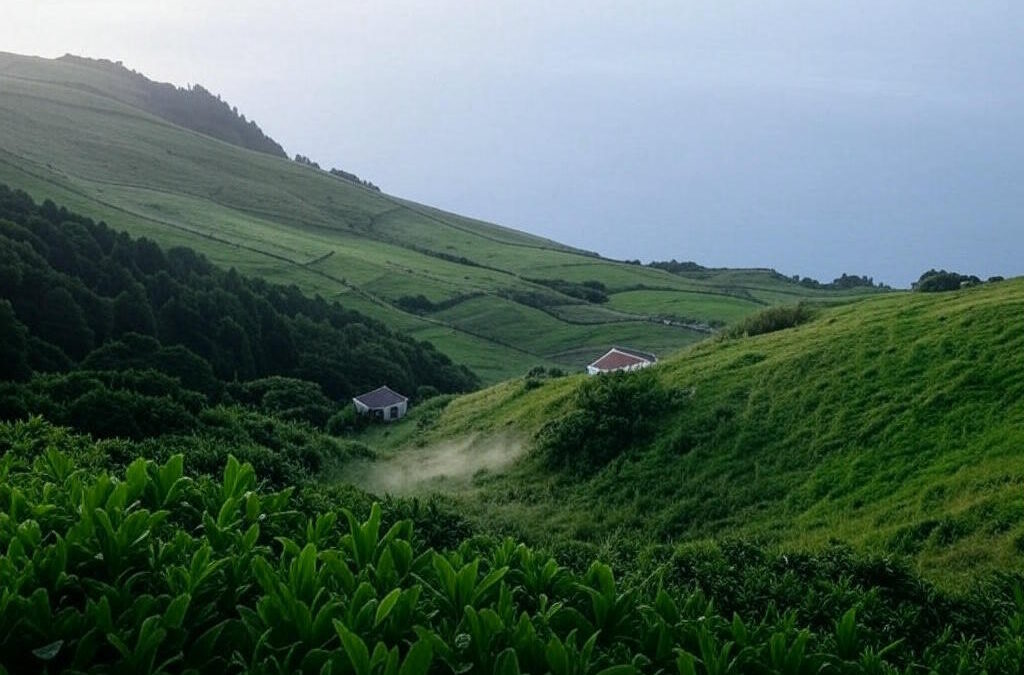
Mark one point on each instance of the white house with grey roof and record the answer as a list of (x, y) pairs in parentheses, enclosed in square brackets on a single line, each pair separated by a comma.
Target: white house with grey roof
[(382, 403)]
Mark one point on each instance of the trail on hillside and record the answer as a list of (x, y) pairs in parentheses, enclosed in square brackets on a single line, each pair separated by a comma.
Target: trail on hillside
[(440, 466)]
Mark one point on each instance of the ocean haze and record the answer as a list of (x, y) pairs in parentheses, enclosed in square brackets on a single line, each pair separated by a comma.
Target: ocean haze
[(816, 139)]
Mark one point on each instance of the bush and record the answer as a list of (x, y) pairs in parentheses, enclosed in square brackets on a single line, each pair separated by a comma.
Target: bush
[(425, 392), (428, 413), (127, 404), (538, 374), (588, 291), (345, 421), (938, 281), (610, 414), (287, 398), (531, 383), (117, 413), (771, 320)]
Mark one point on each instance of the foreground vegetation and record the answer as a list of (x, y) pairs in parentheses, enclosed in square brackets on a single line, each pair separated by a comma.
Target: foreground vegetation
[(95, 138), (894, 424), (148, 571)]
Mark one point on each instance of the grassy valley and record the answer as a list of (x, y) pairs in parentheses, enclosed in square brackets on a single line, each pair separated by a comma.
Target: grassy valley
[(894, 424), (814, 478), (86, 135)]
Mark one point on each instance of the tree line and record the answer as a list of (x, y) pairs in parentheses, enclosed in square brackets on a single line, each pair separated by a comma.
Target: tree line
[(77, 296), (938, 281)]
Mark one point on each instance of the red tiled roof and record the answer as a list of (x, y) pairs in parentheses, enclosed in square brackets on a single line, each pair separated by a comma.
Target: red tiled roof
[(647, 356), (617, 359), (382, 397)]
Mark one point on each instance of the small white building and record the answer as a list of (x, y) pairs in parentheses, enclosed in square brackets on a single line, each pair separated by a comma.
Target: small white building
[(620, 358), (382, 403)]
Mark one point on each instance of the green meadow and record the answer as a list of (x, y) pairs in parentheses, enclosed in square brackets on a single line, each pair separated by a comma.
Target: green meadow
[(894, 423), (79, 135)]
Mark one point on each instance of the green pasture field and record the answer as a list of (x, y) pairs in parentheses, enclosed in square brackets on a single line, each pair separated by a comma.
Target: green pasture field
[(78, 135), (894, 423)]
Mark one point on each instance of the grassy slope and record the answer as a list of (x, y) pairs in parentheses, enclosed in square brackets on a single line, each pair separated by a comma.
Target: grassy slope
[(895, 423), (75, 134)]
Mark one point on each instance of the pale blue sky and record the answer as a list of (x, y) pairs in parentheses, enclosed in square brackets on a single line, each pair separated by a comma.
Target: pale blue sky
[(873, 137)]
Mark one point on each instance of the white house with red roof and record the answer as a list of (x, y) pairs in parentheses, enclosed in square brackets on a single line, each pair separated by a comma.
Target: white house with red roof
[(621, 358), (382, 403)]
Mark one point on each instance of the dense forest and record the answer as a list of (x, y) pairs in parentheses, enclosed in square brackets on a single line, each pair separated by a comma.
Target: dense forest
[(119, 337), (191, 107)]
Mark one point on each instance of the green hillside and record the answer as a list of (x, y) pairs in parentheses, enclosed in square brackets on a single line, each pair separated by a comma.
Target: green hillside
[(86, 136), (894, 423), (215, 519), (75, 295)]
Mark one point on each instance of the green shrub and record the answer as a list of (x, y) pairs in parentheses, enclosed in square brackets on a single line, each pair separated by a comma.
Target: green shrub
[(589, 291), (531, 383), (425, 392), (938, 281), (429, 412), (286, 397), (117, 413), (345, 421), (610, 414), (771, 320)]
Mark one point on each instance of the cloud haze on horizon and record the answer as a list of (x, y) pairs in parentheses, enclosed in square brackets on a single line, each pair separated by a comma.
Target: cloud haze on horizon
[(873, 138)]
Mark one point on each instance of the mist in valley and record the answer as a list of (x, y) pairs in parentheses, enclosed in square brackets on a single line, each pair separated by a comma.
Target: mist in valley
[(435, 466)]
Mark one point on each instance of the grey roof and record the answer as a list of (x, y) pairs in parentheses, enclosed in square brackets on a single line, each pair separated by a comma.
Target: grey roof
[(381, 397)]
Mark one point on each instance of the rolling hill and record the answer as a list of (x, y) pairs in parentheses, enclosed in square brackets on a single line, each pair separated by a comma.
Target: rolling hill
[(894, 423), (88, 136)]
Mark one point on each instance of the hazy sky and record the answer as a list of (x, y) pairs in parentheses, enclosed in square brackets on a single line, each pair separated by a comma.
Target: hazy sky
[(876, 137)]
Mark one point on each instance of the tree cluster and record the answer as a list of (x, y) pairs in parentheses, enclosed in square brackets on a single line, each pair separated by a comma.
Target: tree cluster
[(840, 283), (352, 178), (421, 304), (337, 173), (306, 161), (675, 267), (937, 281), (76, 295), (588, 291)]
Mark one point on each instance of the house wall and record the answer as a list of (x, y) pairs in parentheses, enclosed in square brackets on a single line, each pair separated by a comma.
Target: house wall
[(591, 370), (383, 412)]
